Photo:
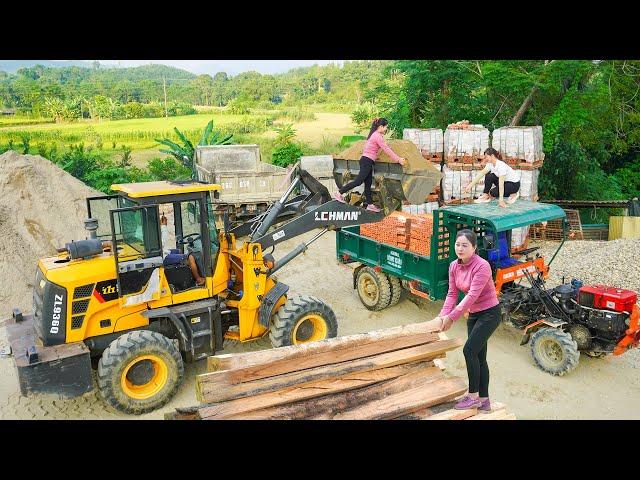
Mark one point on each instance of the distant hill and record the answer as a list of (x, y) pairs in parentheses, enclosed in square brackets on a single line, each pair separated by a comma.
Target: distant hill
[(12, 66)]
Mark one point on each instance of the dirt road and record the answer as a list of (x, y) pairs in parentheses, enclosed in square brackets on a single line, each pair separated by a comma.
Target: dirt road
[(606, 388)]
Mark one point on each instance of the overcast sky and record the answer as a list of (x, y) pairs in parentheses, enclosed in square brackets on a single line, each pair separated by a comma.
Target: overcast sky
[(231, 67)]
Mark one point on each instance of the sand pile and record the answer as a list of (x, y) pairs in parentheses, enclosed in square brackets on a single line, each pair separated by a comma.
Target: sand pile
[(42, 208), (404, 148)]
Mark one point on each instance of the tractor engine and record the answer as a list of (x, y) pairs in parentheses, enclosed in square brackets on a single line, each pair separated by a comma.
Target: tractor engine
[(599, 314)]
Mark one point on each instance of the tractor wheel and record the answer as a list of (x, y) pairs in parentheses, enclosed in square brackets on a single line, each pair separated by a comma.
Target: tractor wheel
[(554, 351), (396, 290), (374, 289), (302, 320), (139, 372)]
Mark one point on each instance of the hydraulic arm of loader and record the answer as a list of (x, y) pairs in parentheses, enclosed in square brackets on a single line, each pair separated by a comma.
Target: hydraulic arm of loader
[(314, 210)]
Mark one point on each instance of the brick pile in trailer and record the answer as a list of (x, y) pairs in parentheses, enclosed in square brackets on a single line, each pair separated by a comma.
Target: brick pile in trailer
[(394, 373), (406, 231)]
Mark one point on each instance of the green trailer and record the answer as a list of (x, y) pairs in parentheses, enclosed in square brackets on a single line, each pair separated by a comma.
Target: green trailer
[(385, 270)]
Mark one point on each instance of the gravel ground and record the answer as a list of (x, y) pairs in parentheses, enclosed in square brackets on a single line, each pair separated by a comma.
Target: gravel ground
[(615, 263)]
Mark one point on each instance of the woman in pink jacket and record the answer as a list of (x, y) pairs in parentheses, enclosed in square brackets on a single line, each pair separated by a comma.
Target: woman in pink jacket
[(375, 142), (471, 274)]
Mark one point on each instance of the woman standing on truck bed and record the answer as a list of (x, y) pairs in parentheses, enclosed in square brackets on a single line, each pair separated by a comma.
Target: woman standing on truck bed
[(375, 142), (471, 274)]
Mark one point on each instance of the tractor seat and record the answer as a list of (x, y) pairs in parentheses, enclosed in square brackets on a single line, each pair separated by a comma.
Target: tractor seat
[(500, 257)]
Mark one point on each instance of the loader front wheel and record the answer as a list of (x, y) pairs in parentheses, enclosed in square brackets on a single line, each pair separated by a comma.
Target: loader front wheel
[(139, 372), (301, 320), (373, 288), (554, 351)]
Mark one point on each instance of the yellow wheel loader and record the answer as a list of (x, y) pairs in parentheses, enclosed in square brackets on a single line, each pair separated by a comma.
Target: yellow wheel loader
[(113, 303)]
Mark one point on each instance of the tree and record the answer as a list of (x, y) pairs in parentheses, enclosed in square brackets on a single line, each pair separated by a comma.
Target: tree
[(185, 153), (102, 107)]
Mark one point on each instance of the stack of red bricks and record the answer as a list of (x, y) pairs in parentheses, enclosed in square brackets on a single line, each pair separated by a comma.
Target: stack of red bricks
[(403, 230), (420, 231), (392, 230)]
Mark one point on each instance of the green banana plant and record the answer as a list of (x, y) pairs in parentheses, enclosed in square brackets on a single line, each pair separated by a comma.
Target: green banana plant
[(186, 152)]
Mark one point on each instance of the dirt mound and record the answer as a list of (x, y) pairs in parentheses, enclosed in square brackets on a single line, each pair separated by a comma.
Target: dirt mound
[(42, 208), (403, 148)]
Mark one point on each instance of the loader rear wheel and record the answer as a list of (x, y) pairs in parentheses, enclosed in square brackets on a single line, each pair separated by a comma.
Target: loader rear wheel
[(396, 290), (301, 320), (139, 372), (373, 288), (554, 351)]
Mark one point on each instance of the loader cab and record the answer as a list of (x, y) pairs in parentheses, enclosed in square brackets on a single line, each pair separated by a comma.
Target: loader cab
[(131, 221)]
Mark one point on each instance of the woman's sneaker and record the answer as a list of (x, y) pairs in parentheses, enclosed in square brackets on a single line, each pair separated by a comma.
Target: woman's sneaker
[(468, 402), (372, 208), (338, 196), (485, 405), (513, 197), (483, 199)]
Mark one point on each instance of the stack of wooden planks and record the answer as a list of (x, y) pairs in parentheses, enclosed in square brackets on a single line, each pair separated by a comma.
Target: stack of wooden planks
[(385, 374)]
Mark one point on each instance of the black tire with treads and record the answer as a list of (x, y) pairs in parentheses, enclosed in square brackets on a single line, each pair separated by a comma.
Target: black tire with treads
[(554, 351), (124, 350), (294, 311), (380, 297), (396, 290)]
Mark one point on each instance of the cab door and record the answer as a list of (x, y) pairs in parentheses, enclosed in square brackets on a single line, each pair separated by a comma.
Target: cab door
[(135, 233), (99, 207)]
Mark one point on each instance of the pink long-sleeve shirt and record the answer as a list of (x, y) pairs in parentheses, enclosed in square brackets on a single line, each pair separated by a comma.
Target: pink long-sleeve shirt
[(475, 280), (373, 146)]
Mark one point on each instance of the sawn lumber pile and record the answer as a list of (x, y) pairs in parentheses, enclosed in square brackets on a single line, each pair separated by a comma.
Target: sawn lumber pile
[(385, 374)]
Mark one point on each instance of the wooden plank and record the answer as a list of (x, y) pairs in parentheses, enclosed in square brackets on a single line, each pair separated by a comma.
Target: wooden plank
[(422, 414), (328, 387), (405, 402), (217, 391), (239, 360), (497, 411), (189, 413), (453, 414), (287, 365), (438, 362)]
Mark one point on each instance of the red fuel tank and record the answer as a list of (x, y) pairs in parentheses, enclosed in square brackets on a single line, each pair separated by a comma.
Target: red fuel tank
[(607, 298)]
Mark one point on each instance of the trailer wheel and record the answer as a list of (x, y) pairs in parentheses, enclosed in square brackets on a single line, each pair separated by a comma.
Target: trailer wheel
[(139, 372), (396, 290), (373, 288), (301, 320), (554, 351)]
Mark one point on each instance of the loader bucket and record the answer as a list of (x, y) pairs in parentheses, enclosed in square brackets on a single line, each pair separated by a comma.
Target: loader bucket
[(393, 183)]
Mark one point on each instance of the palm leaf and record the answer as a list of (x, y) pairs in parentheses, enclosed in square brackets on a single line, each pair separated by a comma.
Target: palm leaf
[(169, 143), (206, 133), (184, 139), (171, 152)]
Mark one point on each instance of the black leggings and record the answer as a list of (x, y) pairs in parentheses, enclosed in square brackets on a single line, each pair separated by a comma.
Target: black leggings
[(480, 326), (491, 180), (365, 175)]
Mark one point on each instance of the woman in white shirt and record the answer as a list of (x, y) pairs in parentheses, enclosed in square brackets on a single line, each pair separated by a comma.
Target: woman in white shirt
[(500, 180)]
